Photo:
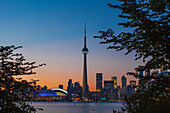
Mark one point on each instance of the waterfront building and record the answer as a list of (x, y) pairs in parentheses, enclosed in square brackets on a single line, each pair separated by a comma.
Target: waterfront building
[(104, 95), (130, 90), (110, 91), (123, 85), (54, 94), (99, 79), (95, 96), (118, 93), (44, 88), (132, 83), (38, 91), (85, 52), (114, 94)]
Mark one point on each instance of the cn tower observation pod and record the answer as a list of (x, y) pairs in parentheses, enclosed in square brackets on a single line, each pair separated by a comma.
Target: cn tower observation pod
[(85, 50)]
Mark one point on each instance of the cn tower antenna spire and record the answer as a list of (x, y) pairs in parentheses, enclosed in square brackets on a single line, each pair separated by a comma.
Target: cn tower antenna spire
[(85, 29), (85, 35)]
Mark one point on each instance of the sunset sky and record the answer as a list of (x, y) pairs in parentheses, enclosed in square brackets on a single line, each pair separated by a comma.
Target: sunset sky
[(52, 32)]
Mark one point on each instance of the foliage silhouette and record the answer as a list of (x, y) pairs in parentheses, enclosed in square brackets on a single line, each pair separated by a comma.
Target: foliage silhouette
[(14, 90), (150, 41)]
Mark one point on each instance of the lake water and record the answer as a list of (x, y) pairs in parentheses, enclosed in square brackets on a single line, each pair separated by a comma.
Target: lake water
[(76, 107)]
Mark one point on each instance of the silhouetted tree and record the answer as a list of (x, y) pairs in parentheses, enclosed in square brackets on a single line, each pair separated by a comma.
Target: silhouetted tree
[(150, 41), (14, 90)]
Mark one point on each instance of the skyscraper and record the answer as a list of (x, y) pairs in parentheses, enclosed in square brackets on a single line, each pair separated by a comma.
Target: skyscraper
[(85, 52), (115, 81), (141, 73), (98, 81), (123, 84), (132, 83), (148, 73), (70, 86), (77, 90), (109, 89), (60, 86)]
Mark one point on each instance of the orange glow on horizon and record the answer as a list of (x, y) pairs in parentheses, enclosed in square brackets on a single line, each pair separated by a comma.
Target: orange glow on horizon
[(64, 65)]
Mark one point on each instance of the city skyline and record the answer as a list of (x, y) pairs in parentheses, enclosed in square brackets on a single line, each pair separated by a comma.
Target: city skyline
[(100, 82), (51, 32)]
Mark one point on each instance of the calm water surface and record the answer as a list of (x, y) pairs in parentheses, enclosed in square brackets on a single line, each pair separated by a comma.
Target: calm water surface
[(72, 107)]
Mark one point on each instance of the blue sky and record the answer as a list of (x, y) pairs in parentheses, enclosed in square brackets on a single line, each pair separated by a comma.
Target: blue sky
[(51, 31)]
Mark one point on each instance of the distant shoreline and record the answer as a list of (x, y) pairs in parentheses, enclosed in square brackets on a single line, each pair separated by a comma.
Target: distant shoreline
[(70, 102)]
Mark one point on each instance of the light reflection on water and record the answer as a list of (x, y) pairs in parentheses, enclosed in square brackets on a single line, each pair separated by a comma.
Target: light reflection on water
[(72, 107)]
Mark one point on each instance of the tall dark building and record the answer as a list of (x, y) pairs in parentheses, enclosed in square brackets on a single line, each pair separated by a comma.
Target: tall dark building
[(129, 90), (141, 74), (70, 86), (85, 52), (110, 91), (98, 81), (148, 73), (123, 84), (132, 83), (60, 86), (77, 90), (115, 81)]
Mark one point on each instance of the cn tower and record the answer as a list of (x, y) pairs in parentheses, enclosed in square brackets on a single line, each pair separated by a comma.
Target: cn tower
[(85, 52)]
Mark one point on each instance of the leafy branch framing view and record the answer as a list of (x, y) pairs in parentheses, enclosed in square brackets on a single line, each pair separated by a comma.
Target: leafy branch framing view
[(149, 40), (13, 91)]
